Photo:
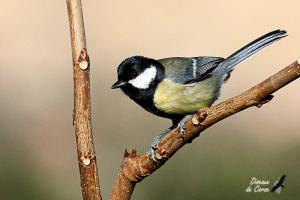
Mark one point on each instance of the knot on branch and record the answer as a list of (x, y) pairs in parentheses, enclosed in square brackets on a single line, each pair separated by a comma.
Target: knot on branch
[(88, 159), (83, 59), (264, 100), (133, 167)]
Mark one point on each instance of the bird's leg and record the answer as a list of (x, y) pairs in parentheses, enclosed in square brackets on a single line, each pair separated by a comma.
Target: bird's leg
[(156, 140), (181, 124), (200, 117)]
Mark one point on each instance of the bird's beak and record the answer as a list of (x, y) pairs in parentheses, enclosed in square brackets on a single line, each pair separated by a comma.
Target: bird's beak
[(118, 84)]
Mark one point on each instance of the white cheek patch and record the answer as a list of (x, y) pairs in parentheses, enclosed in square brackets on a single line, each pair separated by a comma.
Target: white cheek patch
[(143, 80)]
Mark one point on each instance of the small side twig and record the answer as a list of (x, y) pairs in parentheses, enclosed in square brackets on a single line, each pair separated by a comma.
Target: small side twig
[(82, 106), (135, 168)]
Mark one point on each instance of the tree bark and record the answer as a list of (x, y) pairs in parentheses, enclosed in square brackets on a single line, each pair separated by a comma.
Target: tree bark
[(82, 105), (135, 168)]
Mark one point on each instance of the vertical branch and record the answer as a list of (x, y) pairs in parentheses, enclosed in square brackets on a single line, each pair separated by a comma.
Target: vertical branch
[(82, 106)]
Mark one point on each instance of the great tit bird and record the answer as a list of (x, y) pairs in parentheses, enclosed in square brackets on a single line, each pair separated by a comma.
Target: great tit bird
[(177, 87)]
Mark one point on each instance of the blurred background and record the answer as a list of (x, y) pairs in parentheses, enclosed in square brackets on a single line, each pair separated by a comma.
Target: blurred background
[(37, 143)]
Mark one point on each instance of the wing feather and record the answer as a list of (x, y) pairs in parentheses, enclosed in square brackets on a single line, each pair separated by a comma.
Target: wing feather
[(189, 70)]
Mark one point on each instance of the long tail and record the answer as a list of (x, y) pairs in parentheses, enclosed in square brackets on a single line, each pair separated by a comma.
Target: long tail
[(229, 63)]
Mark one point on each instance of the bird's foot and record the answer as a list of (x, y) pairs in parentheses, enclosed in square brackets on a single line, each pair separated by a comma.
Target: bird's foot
[(181, 124), (153, 145)]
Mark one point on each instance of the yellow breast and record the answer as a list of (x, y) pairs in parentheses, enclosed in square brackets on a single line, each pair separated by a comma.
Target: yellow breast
[(175, 98)]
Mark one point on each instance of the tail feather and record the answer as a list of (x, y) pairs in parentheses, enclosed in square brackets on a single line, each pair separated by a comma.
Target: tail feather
[(229, 63)]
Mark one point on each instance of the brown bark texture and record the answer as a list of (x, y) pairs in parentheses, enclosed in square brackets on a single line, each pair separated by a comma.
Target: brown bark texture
[(82, 105), (135, 167)]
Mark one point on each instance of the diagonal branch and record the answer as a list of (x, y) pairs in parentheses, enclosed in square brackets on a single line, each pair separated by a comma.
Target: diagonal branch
[(82, 105), (135, 168)]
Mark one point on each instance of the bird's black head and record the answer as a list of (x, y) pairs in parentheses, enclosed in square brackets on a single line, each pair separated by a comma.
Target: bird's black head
[(138, 72), (138, 77)]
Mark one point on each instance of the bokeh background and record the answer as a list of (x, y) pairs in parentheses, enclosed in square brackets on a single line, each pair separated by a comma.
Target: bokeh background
[(37, 144)]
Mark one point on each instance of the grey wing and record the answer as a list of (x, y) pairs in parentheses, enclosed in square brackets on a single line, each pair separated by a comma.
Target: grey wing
[(189, 70), (202, 67), (194, 69)]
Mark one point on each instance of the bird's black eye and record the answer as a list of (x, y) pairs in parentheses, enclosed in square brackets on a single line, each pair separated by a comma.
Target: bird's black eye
[(133, 74)]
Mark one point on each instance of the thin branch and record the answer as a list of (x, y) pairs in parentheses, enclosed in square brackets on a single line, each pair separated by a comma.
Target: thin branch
[(82, 107), (135, 168)]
